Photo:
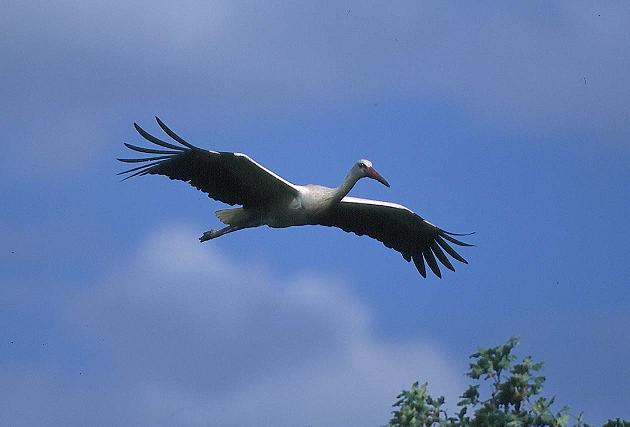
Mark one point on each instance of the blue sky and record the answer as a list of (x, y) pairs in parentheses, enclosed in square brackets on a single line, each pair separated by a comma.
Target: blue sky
[(510, 120)]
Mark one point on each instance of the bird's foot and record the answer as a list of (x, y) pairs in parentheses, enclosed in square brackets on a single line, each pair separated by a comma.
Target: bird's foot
[(208, 235)]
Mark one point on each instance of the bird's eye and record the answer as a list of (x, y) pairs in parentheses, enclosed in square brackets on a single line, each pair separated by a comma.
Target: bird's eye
[(362, 165)]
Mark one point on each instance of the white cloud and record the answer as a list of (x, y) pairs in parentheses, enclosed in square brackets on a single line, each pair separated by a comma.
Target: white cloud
[(185, 336)]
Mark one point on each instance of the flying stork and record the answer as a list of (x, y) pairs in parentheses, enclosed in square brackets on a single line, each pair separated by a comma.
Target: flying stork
[(268, 199)]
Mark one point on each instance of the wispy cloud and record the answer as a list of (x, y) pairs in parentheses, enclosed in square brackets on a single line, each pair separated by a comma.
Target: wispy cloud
[(184, 335)]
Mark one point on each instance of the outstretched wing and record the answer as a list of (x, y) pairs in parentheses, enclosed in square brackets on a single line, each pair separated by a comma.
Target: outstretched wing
[(232, 178), (398, 228)]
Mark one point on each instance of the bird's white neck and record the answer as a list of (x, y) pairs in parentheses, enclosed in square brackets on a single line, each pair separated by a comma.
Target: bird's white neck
[(345, 187)]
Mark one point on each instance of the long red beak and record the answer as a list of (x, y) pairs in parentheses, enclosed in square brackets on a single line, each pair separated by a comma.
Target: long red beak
[(371, 172)]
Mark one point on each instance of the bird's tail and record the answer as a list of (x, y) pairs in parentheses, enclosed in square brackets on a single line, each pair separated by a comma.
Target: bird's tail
[(230, 216)]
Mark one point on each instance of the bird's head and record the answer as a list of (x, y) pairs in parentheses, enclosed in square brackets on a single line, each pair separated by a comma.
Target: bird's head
[(363, 168)]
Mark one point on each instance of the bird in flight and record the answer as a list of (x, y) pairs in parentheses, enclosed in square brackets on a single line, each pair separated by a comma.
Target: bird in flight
[(265, 198)]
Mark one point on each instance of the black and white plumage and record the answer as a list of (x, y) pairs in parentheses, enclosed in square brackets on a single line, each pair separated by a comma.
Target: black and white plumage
[(268, 199)]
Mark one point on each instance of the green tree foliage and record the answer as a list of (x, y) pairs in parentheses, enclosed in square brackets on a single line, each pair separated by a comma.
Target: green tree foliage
[(514, 397)]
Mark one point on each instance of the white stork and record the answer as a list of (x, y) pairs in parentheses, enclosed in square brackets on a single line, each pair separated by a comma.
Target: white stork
[(268, 199)]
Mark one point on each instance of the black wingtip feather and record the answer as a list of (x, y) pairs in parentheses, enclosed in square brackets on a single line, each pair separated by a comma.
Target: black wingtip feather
[(428, 256), (173, 135), (140, 172), (131, 176), (146, 159), (454, 240), (450, 250), (441, 256), (149, 150), (155, 140), (419, 263), (150, 165), (458, 234)]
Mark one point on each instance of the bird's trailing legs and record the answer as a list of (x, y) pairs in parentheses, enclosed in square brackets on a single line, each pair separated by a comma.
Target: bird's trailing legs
[(213, 234), (236, 219)]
